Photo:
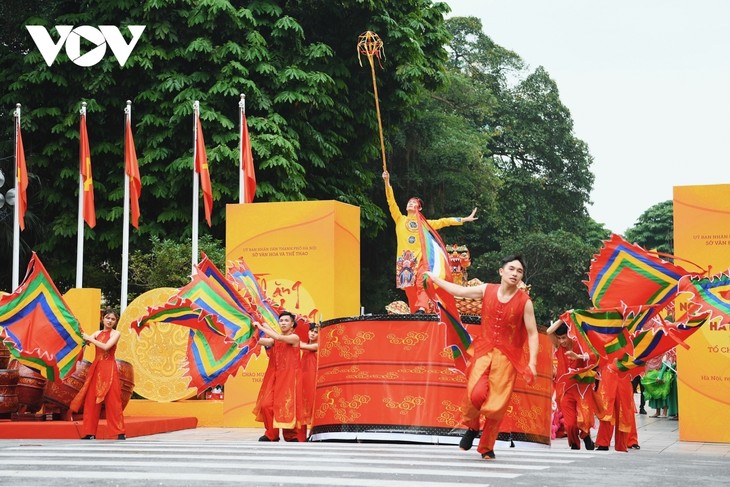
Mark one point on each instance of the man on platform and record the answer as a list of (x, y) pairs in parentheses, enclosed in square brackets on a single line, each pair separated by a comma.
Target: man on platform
[(412, 232), (508, 321)]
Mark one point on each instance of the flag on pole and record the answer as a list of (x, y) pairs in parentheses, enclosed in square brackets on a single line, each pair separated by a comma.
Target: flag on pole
[(85, 171), (201, 167), (249, 177), (132, 169), (21, 175)]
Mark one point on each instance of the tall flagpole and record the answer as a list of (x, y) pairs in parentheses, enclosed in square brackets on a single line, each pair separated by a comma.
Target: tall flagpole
[(16, 208), (80, 224), (196, 216), (242, 173), (125, 219)]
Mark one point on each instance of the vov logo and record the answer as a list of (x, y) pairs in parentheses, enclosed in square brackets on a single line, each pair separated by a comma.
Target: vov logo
[(71, 36)]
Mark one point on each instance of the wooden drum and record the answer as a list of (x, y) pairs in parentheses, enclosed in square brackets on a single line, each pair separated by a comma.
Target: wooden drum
[(31, 385), (126, 377), (8, 391), (5, 355), (61, 393)]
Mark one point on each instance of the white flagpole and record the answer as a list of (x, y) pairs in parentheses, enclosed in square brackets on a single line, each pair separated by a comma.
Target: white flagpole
[(242, 174), (80, 223), (196, 111), (16, 209), (125, 218)]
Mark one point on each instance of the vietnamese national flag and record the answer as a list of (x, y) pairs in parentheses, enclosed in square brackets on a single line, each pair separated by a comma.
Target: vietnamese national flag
[(85, 171), (249, 177), (201, 167), (131, 168), (21, 176)]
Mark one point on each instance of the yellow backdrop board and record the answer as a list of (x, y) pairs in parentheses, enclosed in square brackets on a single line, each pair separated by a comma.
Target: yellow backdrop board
[(85, 304), (306, 257), (702, 235)]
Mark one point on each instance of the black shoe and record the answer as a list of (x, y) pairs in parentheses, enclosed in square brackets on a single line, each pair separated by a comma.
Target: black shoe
[(589, 443), (642, 411), (574, 447), (264, 438), (121, 437), (421, 311), (488, 455), (602, 448), (467, 441), (89, 437), (635, 446)]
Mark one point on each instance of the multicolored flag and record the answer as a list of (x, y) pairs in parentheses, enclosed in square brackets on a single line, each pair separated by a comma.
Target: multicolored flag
[(261, 307), (38, 326), (457, 338), (21, 175), (131, 168), (87, 180), (201, 167), (249, 177), (709, 294), (604, 331), (625, 274)]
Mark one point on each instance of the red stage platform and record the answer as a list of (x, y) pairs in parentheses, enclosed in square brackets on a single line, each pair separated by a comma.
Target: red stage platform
[(70, 430)]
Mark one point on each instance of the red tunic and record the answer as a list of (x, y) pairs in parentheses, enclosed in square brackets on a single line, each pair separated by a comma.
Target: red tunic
[(308, 384), (278, 391)]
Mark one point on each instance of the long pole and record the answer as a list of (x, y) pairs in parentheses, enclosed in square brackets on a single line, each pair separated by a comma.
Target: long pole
[(370, 45), (125, 219), (16, 207), (196, 111), (80, 222)]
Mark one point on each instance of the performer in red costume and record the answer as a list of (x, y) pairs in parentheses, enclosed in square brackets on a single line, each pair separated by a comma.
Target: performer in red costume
[(277, 405), (308, 384), (574, 378), (102, 384), (616, 409), (508, 321), (411, 230)]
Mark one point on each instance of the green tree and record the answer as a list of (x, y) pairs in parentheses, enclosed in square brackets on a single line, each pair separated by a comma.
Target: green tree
[(309, 107), (654, 230)]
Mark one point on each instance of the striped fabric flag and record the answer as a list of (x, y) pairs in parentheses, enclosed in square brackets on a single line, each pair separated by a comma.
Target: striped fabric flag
[(603, 331), (457, 337), (261, 306), (85, 171), (221, 336), (38, 326), (626, 274), (710, 294), (434, 256)]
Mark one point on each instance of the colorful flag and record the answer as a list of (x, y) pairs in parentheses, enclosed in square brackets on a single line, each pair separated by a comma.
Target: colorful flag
[(604, 331), (434, 256), (21, 175), (201, 167), (709, 294), (261, 306), (625, 274), (85, 171), (249, 177), (457, 338), (38, 326), (132, 169)]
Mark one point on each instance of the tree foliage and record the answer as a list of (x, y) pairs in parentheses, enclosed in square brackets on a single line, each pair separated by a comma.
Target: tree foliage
[(654, 230)]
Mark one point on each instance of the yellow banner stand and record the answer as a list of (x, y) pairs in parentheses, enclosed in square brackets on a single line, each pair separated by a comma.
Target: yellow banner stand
[(306, 257), (86, 306), (702, 235)]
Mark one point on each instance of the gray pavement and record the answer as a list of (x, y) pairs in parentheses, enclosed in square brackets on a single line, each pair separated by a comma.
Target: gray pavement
[(233, 456)]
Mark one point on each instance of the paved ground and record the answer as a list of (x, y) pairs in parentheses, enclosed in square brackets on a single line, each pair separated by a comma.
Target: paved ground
[(233, 456)]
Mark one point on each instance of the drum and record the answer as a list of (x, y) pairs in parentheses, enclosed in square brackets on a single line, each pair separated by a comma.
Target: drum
[(5, 355), (126, 377), (8, 391), (61, 393), (31, 385)]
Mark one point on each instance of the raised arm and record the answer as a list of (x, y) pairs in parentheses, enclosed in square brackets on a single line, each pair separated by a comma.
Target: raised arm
[(292, 338), (473, 292)]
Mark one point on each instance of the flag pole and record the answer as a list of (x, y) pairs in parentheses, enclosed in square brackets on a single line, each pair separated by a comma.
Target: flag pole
[(196, 111), (242, 174), (80, 223), (16, 207), (125, 221)]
